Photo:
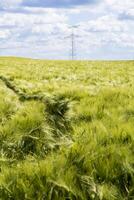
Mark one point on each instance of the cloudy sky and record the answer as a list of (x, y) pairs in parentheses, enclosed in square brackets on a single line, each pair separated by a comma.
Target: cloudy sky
[(42, 28)]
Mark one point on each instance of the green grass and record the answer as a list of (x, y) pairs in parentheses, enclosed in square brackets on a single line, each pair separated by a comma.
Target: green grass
[(66, 130)]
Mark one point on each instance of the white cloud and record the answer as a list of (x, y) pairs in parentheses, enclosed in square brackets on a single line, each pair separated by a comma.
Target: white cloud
[(106, 23), (4, 34), (120, 5), (21, 19), (7, 4)]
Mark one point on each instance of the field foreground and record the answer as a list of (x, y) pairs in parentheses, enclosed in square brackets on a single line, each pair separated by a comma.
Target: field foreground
[(66, 130)]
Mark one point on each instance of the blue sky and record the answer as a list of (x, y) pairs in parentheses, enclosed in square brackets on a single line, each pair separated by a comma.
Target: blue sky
[(41, 28), (57, 3)]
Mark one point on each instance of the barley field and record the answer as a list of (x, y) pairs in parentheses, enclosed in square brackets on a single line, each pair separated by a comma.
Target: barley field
[(66, 130)]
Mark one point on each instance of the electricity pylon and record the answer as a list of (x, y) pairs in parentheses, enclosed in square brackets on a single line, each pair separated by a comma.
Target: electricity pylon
[(72, 36)]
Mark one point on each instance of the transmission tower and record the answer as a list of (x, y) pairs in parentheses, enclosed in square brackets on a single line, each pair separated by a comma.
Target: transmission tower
[(72, 36)]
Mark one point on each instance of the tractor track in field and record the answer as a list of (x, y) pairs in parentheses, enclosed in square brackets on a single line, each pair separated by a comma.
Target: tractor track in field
[(22, 95)]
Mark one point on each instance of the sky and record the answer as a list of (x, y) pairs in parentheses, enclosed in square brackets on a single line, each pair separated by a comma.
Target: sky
[(104, 29)]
